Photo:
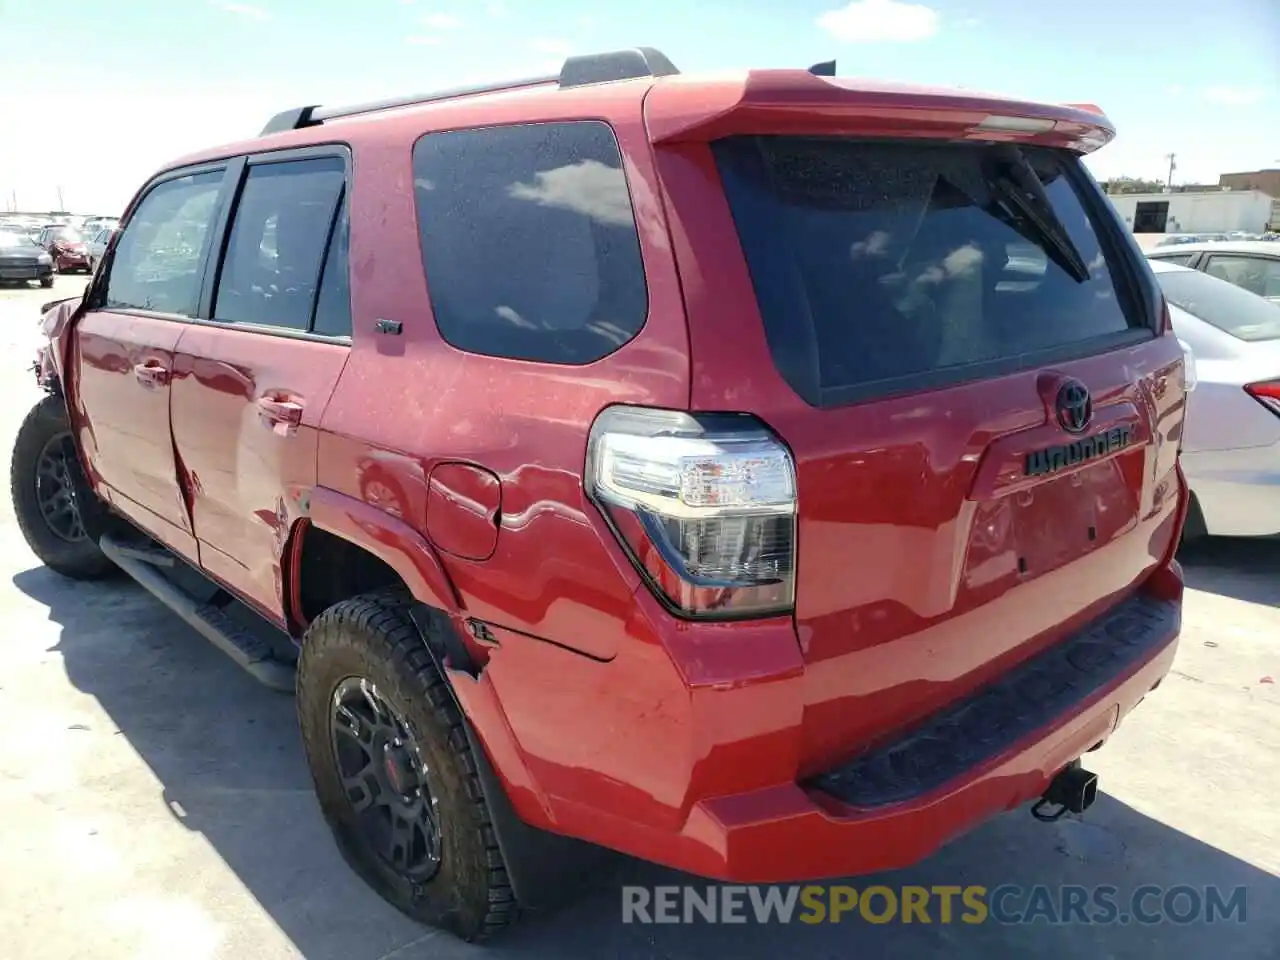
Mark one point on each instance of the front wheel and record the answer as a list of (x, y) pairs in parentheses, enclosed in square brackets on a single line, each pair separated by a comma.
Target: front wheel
[(393, 769), (51, 498), (46, 282)]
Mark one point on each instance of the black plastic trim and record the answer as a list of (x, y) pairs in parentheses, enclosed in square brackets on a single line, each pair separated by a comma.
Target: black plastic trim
[(210, 264), (545, 869), (1027, 698), (294, 119), (592, 68)]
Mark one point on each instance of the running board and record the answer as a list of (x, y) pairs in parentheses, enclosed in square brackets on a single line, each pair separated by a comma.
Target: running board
[(212, 622)]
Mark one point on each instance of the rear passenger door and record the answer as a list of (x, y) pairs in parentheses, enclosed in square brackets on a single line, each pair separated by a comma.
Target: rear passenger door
[(254, 378), (123, 359)]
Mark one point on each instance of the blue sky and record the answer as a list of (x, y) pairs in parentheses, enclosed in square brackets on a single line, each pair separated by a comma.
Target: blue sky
[(117, 87)]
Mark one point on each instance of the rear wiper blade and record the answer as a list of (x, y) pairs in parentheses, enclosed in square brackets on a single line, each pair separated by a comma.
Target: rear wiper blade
[(1025, 205)]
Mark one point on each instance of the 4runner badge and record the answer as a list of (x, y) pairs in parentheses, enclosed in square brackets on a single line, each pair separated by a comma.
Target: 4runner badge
[(1053, 459)]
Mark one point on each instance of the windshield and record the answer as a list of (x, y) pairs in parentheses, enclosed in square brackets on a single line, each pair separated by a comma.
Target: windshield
[(1244, 315), (9, 241), (884, 266)]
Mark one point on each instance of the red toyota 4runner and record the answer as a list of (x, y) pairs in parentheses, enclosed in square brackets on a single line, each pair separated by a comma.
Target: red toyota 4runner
[(769, 476)]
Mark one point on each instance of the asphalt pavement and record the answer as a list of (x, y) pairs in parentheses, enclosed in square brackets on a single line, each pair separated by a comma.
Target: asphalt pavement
[(154, 802)]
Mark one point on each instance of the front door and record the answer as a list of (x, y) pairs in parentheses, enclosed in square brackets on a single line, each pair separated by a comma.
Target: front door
[(124, 348), (252, 383)]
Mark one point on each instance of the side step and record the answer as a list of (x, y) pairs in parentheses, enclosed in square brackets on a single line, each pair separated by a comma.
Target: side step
[(251, 652)]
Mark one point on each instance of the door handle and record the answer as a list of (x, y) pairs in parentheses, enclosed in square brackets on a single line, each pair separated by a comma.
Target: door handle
[(151, 374), (281, 415)]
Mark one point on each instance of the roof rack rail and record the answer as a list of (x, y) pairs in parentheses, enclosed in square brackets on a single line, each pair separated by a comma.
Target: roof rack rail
[(576, 72), (592, 68)]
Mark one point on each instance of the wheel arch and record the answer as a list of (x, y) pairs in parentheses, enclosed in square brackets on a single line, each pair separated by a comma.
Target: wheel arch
[(542, 865)]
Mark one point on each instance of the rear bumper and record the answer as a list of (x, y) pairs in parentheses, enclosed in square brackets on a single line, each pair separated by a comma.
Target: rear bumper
[(1238, 490), (994, 751)]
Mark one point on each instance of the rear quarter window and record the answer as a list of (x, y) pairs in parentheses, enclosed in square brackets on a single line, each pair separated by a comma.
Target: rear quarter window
[(889, 267), (529, 241)]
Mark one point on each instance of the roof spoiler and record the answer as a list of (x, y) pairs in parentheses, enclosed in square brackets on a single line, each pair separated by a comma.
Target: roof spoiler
[(577, 71)]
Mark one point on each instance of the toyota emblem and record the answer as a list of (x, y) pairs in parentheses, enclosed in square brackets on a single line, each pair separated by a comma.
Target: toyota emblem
[(1075, 406)]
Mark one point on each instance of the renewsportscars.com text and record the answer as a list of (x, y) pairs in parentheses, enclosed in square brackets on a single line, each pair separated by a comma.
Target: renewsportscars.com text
[(939, 904)]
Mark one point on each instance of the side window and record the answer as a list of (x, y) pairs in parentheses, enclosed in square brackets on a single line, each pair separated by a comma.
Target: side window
[(333, 305), (271, 272), (1182, 258), (158, 257), (529, 241), (1260, 275)]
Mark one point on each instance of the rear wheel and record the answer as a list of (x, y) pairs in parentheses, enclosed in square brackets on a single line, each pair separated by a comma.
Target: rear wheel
[(393, 770), (55, 509), (46, 282)]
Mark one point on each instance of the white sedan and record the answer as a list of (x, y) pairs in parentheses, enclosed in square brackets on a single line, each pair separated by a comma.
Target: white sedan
[(1231, 447)]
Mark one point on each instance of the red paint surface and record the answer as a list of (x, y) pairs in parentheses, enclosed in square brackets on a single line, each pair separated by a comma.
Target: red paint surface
[(607, 717)]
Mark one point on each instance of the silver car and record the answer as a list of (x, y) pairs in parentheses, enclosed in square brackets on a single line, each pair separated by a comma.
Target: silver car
[(1231, 447)]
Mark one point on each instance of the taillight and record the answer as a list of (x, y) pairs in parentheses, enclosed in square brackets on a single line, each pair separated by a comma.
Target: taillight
[(705, 505), (1266, 393), (1189, 375)]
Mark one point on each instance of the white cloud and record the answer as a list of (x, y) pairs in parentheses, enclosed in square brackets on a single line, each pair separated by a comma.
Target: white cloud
[(1233, 96), (1176, 90), (589, 188), (880, 21), (243, 10), (440, 21)]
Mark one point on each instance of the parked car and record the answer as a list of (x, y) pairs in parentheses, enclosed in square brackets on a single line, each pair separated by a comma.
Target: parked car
[(675, 467), (97, 247), (67, 248), (1252, 264), (1231, 447), (22, 259)]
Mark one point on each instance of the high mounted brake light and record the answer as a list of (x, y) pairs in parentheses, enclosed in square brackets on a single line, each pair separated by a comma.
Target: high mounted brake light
[(705, 506)]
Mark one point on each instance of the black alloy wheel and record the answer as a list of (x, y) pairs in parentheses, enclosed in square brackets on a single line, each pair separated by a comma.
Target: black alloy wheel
[(56, 489), (386, 780)]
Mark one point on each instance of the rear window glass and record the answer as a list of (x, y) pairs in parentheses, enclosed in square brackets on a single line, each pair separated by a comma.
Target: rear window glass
[(529, 241), (882, 267), (1231, 309)]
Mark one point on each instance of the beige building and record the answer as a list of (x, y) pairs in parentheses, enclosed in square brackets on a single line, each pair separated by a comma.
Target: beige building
[(1268, 181)]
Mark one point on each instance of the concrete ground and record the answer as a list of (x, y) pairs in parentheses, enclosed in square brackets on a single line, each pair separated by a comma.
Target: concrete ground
[(154, 802)]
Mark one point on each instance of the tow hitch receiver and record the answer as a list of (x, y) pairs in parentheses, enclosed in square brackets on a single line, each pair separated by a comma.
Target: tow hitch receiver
[(1074, 789)]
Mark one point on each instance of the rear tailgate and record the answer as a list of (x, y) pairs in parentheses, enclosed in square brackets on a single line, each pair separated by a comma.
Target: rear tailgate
[(985, 418)]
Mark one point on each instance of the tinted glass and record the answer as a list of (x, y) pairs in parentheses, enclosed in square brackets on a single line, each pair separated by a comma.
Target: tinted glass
[(529, 242), (881, 267), (1230, 308), (278, 234), (1260, 275), (333, 306), (159, 255)]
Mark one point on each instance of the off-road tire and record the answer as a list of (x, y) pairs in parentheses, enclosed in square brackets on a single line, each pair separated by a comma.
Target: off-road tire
[(372, 637), (81, 560)]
